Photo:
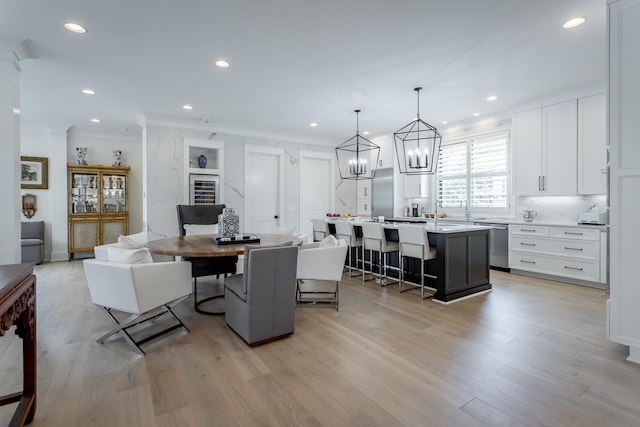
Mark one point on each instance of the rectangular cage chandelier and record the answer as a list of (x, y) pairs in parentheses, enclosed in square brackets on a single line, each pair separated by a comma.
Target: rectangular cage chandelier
[(417, 145)]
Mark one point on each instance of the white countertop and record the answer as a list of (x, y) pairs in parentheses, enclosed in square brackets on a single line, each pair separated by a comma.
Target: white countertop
[(513, 221), (441, 228)]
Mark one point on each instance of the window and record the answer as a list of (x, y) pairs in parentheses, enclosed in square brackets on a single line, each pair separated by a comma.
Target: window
[(474, 173)]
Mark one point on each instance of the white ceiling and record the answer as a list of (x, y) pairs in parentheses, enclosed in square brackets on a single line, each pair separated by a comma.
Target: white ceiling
[(294, 62)]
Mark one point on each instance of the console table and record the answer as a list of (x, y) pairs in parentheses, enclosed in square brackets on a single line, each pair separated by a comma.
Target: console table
[(18, 307)]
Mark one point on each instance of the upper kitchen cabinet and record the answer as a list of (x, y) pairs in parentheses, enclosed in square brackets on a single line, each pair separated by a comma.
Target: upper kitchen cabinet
[(415, 186), (545, 146), (592, 144)]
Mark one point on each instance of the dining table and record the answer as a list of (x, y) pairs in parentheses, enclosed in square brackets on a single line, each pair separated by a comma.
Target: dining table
[(207, 245)]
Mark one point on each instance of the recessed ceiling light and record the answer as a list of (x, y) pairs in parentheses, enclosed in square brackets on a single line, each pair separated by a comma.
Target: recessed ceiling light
[(89, 91), (476, 114), (187, 107), (222, 63), (75, 28), (365, 132), (445, 122), (492, 98), (313, 125), (95, 120), (574, 22)]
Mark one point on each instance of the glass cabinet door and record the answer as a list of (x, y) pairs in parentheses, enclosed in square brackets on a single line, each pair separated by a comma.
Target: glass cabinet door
[(114, 193), (84, 192)]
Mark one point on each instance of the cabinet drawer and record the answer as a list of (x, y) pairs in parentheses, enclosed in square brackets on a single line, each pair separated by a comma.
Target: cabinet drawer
[(529, 230), (555, 266), (566, 248), (575, 233)]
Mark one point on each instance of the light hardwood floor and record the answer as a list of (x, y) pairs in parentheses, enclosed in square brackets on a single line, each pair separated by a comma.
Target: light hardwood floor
[(531, 352)]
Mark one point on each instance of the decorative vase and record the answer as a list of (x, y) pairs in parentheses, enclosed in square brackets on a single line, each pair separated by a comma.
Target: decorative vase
[(202, 161), (228, 223)]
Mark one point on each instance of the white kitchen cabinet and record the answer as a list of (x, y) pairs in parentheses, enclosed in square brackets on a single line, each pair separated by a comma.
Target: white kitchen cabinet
[(592, 144), (545, 147), (416, 186), (363, 207), (623, 307), (571, 252)]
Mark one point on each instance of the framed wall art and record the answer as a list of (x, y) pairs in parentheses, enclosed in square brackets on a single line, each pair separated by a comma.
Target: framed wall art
[(34, 172)]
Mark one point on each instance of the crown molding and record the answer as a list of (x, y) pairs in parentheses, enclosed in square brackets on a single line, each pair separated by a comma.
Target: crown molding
[(209, 126), (128, 136)]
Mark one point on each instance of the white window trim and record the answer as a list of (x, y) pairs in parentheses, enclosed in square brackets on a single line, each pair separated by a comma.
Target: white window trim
[(467, 139)]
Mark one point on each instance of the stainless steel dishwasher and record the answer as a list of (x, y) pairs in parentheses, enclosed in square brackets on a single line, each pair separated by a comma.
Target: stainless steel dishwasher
[(499, 245)]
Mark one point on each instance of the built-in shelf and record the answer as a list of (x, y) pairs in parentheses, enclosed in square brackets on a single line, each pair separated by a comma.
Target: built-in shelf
[(213, 151)]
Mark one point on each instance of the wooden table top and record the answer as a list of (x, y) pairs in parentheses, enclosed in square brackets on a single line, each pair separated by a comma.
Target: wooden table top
[(202, 246)]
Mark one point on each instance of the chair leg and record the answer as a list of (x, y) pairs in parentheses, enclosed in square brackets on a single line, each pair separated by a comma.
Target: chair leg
[(422, 279), (136, 319), (401, 273), (364, 270)]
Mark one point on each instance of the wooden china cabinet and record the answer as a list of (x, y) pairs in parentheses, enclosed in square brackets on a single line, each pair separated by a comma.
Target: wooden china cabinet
[(98, 205)]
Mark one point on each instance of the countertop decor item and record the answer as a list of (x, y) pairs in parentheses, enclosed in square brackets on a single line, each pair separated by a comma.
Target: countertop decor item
[(228, 223), (417, 145), (529, 215), (202, 161)]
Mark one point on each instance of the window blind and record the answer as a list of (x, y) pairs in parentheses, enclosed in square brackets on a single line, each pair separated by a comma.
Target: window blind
[(474, 173)]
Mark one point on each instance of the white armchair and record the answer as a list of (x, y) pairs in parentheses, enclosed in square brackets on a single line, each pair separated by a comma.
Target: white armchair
[(143, 290), (320, 263)]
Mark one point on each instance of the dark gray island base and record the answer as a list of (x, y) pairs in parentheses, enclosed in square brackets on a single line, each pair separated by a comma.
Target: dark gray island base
[(462, 264)]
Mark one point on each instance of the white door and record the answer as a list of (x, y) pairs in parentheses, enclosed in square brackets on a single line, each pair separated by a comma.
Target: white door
[(317, 188), (263, 189)]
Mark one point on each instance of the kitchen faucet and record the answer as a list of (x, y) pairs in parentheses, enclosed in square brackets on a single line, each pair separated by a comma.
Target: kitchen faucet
[(438, 203), (467, 214)]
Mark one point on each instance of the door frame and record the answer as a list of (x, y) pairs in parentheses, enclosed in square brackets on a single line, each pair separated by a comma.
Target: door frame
[(309, 154), (249, 150)]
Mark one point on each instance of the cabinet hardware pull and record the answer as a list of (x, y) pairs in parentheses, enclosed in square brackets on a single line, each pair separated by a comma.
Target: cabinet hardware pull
[(573, 268), (528, 244), (573, 233), (527, 261), (527, 230), (543, 183), (539, 183), (573, 249)]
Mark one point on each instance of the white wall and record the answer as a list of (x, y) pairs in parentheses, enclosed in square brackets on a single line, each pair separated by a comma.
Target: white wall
[(10, 159), (163, 149)]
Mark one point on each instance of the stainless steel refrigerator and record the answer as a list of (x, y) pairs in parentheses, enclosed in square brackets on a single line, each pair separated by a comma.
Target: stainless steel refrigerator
[(382, 193)]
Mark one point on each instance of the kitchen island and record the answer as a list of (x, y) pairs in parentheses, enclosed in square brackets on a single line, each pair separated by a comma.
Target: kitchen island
[(462, 263)]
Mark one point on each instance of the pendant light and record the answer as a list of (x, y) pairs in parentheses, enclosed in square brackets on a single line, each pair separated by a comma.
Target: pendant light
[(357, 156), (417, 145)]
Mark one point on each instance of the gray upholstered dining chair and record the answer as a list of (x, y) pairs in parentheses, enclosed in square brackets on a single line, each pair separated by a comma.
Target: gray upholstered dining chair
[(260, 304)]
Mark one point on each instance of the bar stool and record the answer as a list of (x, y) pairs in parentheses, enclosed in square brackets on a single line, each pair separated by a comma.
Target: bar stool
[(374, 239), (345, 230), (320, 229), (414, 243)]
